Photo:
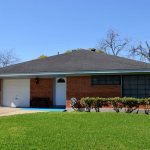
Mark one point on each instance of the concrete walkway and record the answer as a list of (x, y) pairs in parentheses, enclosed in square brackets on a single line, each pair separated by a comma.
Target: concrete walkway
[(7, 111)]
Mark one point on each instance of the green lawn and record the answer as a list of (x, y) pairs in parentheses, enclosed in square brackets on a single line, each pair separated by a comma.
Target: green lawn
[(75, 131)]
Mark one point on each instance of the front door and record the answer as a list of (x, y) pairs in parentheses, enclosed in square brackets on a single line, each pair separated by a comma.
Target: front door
[(60, 92)]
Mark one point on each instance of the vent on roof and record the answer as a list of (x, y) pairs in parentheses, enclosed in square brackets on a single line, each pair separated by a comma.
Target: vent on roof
[(93, 50)]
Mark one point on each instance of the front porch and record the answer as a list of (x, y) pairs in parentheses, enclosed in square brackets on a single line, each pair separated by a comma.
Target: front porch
[(48, 93)]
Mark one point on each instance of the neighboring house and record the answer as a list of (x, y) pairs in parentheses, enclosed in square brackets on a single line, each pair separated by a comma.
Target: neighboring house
[(53, 81)]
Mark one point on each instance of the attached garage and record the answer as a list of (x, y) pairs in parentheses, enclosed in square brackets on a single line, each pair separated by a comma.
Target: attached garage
[(16, 92)]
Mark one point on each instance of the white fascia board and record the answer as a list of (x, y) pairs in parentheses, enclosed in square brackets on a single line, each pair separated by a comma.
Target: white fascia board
[(40, 74)]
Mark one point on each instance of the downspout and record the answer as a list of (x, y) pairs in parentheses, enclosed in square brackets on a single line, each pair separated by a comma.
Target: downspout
[(121, 86)]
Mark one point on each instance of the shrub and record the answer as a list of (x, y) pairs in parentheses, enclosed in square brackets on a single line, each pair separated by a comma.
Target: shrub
[(146, 103), (87, 102), (99, 103), (130, 104), (74, 103), (117, 103)]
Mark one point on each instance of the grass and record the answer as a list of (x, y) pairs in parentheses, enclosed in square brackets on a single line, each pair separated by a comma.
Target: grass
[(73, 131)]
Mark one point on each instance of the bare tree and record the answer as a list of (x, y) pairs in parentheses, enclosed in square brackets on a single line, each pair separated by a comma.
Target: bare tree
[(141, 51), (113, 44), (7, 57)]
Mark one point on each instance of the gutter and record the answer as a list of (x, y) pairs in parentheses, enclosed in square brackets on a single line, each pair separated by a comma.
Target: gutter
[(76, 73)]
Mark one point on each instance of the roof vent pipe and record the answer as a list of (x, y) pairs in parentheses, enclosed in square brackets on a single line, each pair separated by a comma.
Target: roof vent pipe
[(93, 50)]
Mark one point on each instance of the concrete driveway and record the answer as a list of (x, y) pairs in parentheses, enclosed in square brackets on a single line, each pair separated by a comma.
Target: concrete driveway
[(7, 111)]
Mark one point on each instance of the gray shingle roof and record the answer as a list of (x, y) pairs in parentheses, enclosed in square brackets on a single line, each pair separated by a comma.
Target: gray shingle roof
[(81, 60)]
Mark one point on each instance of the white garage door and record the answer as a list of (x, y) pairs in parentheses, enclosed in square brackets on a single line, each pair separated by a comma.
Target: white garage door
[(16, 92)]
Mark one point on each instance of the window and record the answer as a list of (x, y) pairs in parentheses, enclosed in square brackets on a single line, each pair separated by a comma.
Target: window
[(136, 86), (61, 80), (106, 80)]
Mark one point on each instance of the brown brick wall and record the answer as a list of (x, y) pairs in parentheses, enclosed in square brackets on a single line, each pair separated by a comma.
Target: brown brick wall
[(44, 89), (81, 87)]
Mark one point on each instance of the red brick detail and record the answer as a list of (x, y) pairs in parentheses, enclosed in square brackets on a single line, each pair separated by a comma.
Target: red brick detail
[(44, 89), (67, 103), (81, 87)]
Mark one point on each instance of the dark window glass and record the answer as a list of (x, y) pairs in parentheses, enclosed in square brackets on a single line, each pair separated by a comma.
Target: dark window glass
[(105, 80), (136, 86), (61, 80)]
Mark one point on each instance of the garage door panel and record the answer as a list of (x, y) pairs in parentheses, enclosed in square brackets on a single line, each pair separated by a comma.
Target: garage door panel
[(16, 92)]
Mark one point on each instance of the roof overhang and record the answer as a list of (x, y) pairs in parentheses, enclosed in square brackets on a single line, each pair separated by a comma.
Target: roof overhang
[(75, 73)]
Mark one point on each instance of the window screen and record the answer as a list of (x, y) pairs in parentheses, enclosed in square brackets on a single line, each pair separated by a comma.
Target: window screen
[(136, 86)]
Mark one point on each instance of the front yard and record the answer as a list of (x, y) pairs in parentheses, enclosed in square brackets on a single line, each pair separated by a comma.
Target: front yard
[(72, 131)]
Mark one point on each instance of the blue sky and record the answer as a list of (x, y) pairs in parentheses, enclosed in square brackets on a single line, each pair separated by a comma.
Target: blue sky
[(35, 27)]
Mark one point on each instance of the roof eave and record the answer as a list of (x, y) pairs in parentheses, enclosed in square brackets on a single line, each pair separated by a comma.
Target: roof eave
[(42, 74)]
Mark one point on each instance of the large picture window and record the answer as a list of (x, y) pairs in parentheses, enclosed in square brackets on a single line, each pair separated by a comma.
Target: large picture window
[(106, 80), (136, 86)]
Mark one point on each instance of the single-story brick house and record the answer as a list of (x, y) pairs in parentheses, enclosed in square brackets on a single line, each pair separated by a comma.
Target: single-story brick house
[(53, 81)]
